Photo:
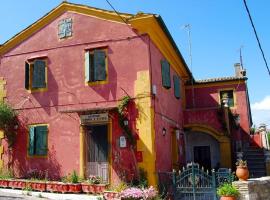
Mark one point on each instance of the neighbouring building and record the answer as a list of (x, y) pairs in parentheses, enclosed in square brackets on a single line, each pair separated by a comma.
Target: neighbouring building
[(66, 75)]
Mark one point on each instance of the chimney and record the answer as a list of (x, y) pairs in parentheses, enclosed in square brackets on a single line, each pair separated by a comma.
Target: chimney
[(239, 71), (262, 128)]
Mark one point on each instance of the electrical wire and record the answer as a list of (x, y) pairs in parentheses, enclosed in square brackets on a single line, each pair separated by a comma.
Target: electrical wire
[(116, 12), (255, 32)]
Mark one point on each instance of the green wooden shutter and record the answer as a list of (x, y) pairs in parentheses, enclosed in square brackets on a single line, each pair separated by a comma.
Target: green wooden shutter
[(26, 76), (87, 66), (31, 145), (177, 86), (99, 65), (41, 143), (165, 71), (39, 74)]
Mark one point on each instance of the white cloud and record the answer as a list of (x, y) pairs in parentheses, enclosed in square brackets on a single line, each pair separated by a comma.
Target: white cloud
[(261, 111), (262, 105)]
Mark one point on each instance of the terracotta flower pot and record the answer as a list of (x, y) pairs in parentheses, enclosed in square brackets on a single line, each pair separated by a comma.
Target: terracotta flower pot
[(39, 186), (100, 188), (21, 184), (53, 186), (4, 183), (62, 187), (88, 188), (242, 173), (110, 195), (75, 188), (227, 198)]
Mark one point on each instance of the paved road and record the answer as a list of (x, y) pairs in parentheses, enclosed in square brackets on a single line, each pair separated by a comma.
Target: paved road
[(9, 196)]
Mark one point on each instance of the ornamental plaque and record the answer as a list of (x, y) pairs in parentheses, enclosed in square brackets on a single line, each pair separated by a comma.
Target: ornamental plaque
[(94, 118)]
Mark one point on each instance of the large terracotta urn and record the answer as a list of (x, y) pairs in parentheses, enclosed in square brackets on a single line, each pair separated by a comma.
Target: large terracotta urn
[(227, 198), (242, 173)]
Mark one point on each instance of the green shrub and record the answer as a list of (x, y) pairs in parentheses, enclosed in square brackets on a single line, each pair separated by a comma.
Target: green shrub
[(227, 189), (6, 174), (74, 177)]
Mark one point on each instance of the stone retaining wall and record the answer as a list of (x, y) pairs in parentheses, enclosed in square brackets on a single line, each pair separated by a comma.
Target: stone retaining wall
[(254, 189)]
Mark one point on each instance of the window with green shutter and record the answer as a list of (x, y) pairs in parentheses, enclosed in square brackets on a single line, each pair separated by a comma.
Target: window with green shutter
[(38, 140), (177, 86), (165, 72), (36, 75), (95, 66)]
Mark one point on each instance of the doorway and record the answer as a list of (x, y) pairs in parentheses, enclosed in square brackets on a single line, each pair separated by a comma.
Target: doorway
[(97, 151), (202, 156)]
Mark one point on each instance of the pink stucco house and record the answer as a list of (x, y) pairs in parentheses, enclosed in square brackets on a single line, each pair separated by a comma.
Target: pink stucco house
[(66, 74)]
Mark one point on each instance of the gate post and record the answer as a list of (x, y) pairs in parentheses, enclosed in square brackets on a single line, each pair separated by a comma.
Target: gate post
[(214, 185), (174, 183), (193, 181)]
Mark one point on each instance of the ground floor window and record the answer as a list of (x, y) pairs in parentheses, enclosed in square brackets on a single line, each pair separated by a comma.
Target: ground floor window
[(38, 140)]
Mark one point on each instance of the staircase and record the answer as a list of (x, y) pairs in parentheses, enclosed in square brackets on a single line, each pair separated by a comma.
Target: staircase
[(256, 162)]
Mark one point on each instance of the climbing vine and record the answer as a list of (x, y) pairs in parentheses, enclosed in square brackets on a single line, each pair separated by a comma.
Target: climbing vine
[(122, 115), (8, 120)]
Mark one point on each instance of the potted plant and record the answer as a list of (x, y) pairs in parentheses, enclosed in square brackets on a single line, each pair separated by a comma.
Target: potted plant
[(54, 186), (74, 185), (88, 187), (38, 184), (93, 185), (114, 192), (227, 192), (242, 172)]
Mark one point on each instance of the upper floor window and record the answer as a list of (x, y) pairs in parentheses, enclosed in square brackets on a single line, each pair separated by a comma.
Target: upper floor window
[(36, 74), (177, 86), (65, 28), (37, 140), (165, 72), (95, 66), (227, 96)]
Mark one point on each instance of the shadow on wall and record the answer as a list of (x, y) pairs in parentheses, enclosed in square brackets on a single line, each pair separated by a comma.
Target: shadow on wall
[(27, 167), (124, 163)]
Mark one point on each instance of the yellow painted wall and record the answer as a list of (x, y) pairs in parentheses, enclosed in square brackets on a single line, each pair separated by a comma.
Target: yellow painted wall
[(145, 125), (2, 95)]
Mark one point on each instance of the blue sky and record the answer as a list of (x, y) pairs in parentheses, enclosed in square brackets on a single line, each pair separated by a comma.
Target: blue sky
[(219, 29)]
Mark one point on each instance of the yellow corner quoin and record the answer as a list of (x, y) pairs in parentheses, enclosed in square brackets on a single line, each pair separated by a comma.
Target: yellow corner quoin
[(1, 149), (143, 23), (3, 94), (145, 126)]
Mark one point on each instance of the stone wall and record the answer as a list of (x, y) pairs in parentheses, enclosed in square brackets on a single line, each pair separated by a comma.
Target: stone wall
[(254, 189)]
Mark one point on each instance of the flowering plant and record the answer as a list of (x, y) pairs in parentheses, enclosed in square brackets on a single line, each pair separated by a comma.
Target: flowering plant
[(134, 193), (94, 179), (241, 163)]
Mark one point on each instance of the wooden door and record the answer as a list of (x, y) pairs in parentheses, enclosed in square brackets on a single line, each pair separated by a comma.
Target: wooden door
[(97, 152), (202, 156)]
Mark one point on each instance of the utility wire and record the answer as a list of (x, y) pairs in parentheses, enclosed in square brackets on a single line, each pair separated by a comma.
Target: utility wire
[(116, 12), (258, 41)]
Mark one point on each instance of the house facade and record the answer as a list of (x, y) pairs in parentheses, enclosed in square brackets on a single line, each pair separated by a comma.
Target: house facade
[(67, 74)]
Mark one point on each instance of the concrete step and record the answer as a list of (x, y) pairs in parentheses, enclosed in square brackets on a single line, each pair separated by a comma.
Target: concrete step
[(257, 158), (256, 174), (256, 166), (255, 153)]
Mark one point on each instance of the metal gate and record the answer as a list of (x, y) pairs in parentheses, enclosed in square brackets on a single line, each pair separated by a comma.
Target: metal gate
[(192, 183)]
